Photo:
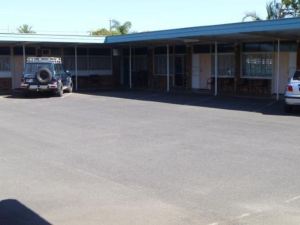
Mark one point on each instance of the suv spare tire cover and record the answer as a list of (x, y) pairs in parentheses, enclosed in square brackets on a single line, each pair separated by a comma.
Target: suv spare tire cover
[(44, 75)]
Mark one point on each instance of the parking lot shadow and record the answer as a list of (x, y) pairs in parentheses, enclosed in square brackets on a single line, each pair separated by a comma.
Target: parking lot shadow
[(12, 212), (267, 106), (37, 95)]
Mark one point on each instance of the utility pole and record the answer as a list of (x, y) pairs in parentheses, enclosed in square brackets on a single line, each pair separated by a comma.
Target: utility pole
[(110, 25)]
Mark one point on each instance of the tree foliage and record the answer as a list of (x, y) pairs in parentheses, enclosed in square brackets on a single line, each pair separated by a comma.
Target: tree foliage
[(116, 29), (277, 10), (25, 29), (291, 7), (103, 32)]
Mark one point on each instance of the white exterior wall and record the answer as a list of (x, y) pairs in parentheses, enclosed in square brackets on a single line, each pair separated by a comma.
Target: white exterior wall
[(201, 71), (288, 61)]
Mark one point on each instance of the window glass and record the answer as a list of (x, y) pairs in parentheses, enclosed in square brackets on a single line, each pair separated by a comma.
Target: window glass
[(163, 50), (32, 68), (58, 69), (100, 51), (226, 64), (91, 62), (297, 75), (140, 63), (258, 65), (4, 63), (160, 64), (258, 47), (223, 48), (201, 49), (4, 51)]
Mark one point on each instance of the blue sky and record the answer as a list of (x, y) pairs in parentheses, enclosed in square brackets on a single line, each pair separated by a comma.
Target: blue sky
[(66, 16)]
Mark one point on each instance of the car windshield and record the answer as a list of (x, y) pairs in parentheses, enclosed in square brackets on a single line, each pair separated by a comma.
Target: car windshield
[(32, 68), (297, 76)]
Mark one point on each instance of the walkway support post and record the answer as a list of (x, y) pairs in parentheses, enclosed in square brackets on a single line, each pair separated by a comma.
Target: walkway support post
[(130, 67), (278, 70), (12, 67), (76, 68), (24, 55), (168, 69), (216, 68)]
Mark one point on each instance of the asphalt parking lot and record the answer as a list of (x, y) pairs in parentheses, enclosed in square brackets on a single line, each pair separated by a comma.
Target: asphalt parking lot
[(148, 158)]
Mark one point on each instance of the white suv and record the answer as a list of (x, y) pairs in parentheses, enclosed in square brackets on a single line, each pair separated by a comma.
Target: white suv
[(292, 93)]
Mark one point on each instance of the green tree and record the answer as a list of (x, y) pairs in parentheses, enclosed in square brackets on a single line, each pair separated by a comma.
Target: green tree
[(103, 32), (116, 29), (277, 10), (121, 28), (25, 29), (291, 7), (274, 11)]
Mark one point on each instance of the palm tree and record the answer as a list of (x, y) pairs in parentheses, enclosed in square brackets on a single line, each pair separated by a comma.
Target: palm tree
[(116, 28), (25, 29), (121, 28)]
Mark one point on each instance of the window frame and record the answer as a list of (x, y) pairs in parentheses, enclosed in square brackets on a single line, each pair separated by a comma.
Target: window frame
[(220, 75), (258, 76), (171, 61)]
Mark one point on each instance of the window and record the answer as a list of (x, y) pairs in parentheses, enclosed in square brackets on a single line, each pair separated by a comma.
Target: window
[(140, 63), (257, 65), (59, 69), (4, 64), (100, 63), (226, 64), (28, 51), (160, 64), (197, 49), (258, 47), (297, 75), (88, 62), (4, 51), (31, 68)]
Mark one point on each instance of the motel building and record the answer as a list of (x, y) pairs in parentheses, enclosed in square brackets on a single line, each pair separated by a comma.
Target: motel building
[(250, 58)]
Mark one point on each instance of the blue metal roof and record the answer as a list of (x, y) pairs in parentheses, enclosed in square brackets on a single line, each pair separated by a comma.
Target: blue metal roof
[(42, 38), (277, 26), (271, 28)]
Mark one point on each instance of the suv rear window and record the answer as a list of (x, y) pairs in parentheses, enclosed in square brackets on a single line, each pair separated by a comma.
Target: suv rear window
[(297, 76), (32, 68)]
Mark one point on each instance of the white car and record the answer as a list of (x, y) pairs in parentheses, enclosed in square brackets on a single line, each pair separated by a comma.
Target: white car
[(292, 92)]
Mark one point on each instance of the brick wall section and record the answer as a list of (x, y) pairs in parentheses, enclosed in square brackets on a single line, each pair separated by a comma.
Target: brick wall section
[(5, 84)]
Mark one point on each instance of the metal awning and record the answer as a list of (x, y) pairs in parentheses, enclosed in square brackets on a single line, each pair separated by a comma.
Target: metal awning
[(8, 38), (284, 29)]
